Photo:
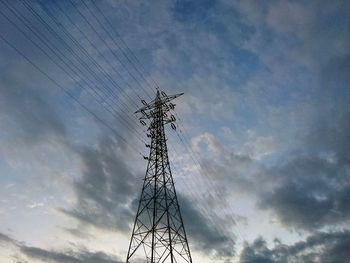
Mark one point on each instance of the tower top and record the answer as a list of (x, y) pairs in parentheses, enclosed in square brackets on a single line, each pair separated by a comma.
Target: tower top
[(163, 103), (161, 97)]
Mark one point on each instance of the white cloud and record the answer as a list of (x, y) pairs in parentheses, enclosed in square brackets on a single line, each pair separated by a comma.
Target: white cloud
[(257, 147), (35, 205)]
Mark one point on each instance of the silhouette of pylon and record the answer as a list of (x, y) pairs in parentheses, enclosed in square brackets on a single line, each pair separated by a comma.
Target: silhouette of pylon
[(158, 233)]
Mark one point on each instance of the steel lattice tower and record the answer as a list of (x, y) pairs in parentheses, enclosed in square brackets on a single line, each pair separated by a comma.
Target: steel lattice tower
[(159, 233)]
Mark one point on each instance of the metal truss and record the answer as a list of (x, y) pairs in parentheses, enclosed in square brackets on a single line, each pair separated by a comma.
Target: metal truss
[(159, 233)]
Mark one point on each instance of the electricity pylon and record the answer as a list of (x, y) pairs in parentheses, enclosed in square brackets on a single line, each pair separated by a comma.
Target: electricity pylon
[(159, 233)]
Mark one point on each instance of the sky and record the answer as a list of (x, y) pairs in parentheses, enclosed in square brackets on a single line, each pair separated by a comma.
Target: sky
[(260, 157)]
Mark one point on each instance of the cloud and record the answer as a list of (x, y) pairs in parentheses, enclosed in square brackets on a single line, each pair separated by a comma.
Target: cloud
[(208, 140), (107, 191), (321, 247), (79, 232), (290, 17), (214, 48), (230, 168), (5, 239), (35, 205), (107, 198), (205, 236), (258, 147), (107, 188), (310, 195), (66, 256), (73, 257), (313, 188), (307, 188), (309, 184), (25, 107)]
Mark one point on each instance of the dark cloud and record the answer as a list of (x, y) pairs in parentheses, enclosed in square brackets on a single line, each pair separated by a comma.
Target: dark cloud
[(321, 247), (310, 194), (78, 232), (67, 256), (5, 239), (313, 188), (257, 253), (307, 189), (207, 238), (107, 197), (107, 188)]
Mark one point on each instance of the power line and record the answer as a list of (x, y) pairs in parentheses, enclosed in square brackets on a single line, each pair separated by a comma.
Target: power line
[(110, 109), (83, 50), (127, 47), (209, 184), (194, 192), (105, 42), (68, 93), (77, 57), (95, 75), (102, 55), (188, 149)]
